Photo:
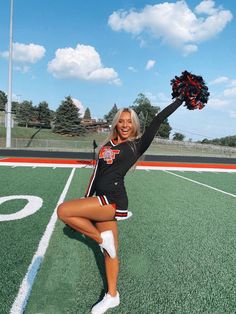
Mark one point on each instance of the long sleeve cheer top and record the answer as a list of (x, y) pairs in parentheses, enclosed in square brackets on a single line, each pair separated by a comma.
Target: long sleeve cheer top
[(114, 160)]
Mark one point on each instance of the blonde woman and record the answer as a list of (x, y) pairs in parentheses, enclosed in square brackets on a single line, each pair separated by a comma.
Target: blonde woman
[(96, 216)]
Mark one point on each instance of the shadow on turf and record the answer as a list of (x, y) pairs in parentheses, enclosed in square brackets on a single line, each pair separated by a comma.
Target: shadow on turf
[(99, 258)]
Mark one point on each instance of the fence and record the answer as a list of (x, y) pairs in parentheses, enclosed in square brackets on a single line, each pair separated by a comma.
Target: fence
[(158, 147)]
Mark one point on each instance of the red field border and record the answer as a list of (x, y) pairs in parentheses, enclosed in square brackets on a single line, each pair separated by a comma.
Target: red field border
[(145, 165)]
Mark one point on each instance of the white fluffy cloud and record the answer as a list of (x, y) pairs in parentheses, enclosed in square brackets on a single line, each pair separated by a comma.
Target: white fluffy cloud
[(80, 106), (82, 62), (223, 99), (218, 102), (230, 92), (219, 80), (23, 53), (174, 24), (206, 7), (150, 64)]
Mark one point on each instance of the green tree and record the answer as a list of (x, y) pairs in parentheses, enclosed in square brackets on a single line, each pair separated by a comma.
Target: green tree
[(87, 114), (164, 130), (14, 106), (178, 136), (3, 100), (224, 141), (43, 115), (109, 117), (67, 119), (205, 141), (142, 121), (25, 113), (143, 104)]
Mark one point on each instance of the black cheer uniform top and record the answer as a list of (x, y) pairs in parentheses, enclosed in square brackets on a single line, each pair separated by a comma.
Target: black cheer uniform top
[(114, 160)]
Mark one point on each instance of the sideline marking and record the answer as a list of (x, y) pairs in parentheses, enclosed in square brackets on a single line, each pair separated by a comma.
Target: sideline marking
[(203, 184), (142, 164), (42, 165), (68, 163), (179, 168), (27, 283)]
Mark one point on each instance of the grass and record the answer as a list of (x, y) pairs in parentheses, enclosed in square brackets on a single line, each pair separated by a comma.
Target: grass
[(177, 252), (19, 238), (27, 133)]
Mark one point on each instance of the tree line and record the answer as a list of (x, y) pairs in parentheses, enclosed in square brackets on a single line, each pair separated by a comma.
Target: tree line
[(66, 120), (222, 141)]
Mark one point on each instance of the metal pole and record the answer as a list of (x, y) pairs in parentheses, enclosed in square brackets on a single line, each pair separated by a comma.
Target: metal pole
[(9, 95)]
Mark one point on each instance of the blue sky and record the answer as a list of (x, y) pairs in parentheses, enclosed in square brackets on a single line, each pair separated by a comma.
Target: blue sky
[(105, 52)]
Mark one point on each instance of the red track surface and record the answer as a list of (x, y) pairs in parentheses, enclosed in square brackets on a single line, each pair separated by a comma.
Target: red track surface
[(141, 163)]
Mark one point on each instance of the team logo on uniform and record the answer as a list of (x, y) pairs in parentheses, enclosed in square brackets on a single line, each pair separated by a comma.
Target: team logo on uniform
[(108, 154)]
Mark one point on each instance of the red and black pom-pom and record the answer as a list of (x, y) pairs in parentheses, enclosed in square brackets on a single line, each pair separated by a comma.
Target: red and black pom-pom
[(192, 89)]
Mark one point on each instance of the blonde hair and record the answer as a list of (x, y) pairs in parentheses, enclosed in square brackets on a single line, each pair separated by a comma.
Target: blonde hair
[(135, 123)]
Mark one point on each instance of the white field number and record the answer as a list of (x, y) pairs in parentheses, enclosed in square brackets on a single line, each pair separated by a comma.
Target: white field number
[(33, 205)]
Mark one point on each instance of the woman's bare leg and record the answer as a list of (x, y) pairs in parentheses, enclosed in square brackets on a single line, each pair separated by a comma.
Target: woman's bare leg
[(80, 213), (111, 264)]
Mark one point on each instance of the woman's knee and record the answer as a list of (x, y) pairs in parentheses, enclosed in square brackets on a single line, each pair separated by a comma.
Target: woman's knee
[(61, 211)]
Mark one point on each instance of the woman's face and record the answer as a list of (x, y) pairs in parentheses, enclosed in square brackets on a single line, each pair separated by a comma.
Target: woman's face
[(124, 126)]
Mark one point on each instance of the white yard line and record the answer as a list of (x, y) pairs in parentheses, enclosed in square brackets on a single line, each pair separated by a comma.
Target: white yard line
[(203, 184), (27, 283), (186, 169), (42, 165)]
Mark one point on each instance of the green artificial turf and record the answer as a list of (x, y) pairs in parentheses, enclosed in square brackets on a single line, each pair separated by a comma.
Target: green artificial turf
[(20, 238), (177, 253), (220, 180)]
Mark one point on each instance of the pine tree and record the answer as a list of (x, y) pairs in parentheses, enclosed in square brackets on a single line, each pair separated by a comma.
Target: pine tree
[(25, 113), (3, 100), (109, 117), (43, 115), (87, 114), (67, 119)]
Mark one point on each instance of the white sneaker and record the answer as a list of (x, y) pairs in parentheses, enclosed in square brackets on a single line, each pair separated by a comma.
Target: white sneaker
[(108, 243), (107, 302)]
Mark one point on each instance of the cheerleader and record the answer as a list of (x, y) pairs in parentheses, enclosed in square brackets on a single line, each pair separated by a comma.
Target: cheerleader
[(97, 216)]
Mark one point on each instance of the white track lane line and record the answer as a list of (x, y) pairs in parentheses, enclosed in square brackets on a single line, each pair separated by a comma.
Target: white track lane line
[(27, 283), (208, 186)]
